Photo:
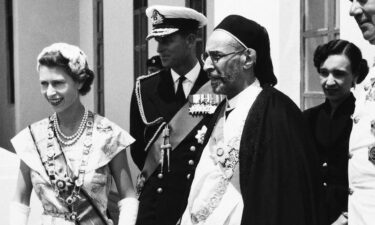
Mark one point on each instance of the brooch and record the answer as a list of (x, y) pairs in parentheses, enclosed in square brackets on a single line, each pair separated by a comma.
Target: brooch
[(63, 184), (371, 154), (200, 134), (201, 104), (370, 88), (355, 118), (105, 129), (140, 183)]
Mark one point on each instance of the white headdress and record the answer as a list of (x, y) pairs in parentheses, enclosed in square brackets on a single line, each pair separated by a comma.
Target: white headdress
[(167, 20), (77, 58)]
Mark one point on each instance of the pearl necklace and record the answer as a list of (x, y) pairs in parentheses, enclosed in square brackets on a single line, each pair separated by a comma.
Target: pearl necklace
[(67, 188), (73, 138)]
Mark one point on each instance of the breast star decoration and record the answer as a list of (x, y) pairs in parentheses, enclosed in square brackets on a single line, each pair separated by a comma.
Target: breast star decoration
[(201, 134)]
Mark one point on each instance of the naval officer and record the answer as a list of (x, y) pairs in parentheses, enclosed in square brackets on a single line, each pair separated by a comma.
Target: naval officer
[(160, 114)]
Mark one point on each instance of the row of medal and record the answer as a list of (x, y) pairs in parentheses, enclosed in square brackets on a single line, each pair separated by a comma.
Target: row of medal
[(204, 103)]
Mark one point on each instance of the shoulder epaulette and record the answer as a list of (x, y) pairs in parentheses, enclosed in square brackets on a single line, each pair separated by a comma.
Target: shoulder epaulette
[(147, 76), (138, 95)]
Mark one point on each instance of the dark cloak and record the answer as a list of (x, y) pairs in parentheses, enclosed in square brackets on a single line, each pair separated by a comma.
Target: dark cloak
[(278, 164)]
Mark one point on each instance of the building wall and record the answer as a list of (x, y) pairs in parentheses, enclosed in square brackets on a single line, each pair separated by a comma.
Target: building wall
[(119, 64), (288, 70), (36, 25), (86, 43), (118, 60), (6, 108), (8, 161)]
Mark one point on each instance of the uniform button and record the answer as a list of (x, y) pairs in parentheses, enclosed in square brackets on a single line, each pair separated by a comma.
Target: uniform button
[(191, 162), (324, 164), (192, 148), (159, 190), (325, 184), (188, 176), (350, 191), (350, 155), (160, 175), (355, 119)]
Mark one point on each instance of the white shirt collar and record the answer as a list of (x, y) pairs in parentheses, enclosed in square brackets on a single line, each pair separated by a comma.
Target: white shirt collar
[(232, 103), (191, 76)]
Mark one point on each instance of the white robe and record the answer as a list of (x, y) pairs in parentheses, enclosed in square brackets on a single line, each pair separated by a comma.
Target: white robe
[(361, 203), (208, 173)]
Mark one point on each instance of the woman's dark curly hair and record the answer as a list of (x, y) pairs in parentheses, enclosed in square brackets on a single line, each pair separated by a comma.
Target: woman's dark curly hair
[(342, 47), (56, 59)]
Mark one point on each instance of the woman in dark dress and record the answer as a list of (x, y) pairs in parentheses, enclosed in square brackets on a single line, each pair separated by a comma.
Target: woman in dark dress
[(340, 66)]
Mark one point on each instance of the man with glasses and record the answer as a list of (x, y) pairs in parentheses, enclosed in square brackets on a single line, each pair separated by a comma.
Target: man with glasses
[(361, 166), (258, 165)]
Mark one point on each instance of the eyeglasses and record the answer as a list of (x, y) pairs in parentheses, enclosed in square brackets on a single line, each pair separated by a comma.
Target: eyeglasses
[(216, 56)]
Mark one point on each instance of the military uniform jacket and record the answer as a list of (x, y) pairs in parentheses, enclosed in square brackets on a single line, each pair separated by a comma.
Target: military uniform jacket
[(164, 195)]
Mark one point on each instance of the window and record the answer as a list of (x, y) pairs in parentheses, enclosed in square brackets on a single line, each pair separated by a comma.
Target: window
[(320, 24), (9, 52), (99, 56), (140, 34), (200, 6)]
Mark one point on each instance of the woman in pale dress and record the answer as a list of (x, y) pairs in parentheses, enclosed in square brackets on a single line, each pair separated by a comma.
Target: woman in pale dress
[(70, 157)]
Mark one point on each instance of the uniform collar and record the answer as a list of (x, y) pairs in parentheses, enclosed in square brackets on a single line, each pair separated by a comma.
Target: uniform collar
[(191, 76)]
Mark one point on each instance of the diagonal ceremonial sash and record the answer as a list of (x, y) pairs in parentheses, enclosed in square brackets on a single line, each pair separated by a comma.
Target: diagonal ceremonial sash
[(218, 134), (183, 122)]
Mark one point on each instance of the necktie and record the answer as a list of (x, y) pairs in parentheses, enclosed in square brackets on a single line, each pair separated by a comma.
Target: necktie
[(180, 95)]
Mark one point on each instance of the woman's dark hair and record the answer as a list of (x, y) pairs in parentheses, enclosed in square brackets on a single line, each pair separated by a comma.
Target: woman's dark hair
[(342, 47), (56, 59)]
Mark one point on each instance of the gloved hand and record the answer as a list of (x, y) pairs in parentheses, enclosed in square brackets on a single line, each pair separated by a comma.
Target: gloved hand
[(128, 208), (18, 213)]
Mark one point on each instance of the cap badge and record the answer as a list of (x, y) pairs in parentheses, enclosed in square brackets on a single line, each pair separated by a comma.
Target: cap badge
[(157, 18)]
